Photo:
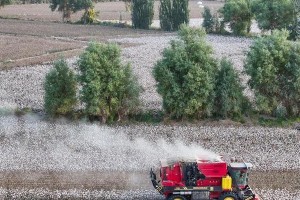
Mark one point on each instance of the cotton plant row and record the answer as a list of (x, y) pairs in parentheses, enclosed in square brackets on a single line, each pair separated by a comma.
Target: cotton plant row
[(35, 145), (31, 144), (118, 194)]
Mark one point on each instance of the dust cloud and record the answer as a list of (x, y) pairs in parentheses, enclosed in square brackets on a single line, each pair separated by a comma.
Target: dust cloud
[(29, 143)]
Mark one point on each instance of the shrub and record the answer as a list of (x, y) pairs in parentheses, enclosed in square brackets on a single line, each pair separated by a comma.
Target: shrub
[(60, 90), (208, 22), (275, 14), (173, 13), (238, 14), (109, 89), (185, 75), (142, 13), (229, 100), (89, 16), (273, 65)]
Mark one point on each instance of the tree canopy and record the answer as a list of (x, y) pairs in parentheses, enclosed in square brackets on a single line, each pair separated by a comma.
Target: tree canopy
[(60, 90), (275, 14), (238, 14), (109, 89), (273, 66), (185, 75), (70, 6)]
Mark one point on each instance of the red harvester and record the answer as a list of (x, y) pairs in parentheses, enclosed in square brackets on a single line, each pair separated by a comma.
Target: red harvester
[(203, 180)]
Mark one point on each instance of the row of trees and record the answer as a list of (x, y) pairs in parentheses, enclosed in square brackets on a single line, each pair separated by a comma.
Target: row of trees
[(194, 85), (172, 13), (48, 1), (270, 15), (187, 77), (191, 82)]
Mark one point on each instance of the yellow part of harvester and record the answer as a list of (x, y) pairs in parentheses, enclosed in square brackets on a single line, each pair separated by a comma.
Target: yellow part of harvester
[(227, 183)]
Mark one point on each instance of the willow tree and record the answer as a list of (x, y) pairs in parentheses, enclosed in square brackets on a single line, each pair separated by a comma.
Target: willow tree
[(60, 90), (67, 7), (109, 90), (186, 75), (273, 67)]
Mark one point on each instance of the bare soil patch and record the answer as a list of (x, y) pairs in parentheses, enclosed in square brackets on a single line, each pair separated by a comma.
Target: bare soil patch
[(69, 31), (91, 180), (120, 180), (34, 42), (16, 47)]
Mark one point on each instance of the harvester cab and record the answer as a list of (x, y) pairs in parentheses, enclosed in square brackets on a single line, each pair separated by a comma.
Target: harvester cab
[(203, 180), (239, 173)]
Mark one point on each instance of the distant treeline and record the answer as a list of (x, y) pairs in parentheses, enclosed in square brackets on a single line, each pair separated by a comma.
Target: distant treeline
[(46, 1), (30, 1)]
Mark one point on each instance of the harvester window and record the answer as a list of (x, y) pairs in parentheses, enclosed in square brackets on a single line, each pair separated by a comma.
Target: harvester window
[(240, 177), (242, 174)]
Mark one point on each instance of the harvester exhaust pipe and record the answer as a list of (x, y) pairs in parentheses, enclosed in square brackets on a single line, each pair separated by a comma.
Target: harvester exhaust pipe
[(155, 184)]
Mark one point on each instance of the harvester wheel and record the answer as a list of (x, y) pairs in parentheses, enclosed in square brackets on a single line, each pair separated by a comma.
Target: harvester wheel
[(177, 197), (228, 196)]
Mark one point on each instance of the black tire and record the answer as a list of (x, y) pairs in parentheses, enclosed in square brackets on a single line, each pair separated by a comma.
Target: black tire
[(228, 196), (177, 197)]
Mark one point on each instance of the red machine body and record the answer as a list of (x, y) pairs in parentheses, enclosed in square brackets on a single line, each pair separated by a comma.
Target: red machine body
[(204, 179)]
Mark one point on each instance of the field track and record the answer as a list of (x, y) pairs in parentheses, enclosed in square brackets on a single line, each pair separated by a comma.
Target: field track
[(120, 180)]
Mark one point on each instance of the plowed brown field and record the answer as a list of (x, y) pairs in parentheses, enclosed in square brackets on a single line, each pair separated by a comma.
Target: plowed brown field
[(33, 34)]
